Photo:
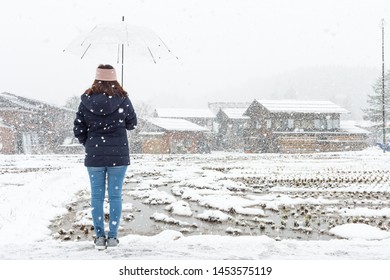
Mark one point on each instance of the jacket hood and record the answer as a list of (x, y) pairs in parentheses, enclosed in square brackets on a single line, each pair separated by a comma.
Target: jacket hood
[(102, 104)]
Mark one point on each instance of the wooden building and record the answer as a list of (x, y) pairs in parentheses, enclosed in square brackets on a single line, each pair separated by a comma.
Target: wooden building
[(231, 126), (296, 126), (173, 136), (7, 138), (30, 126)]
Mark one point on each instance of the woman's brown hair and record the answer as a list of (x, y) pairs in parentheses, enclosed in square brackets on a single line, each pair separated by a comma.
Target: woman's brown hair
[(108, 87)]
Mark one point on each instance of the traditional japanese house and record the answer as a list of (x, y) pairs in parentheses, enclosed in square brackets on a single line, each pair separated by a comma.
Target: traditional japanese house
[(231, 125), (173, 136), (30, 126), (299, 126)]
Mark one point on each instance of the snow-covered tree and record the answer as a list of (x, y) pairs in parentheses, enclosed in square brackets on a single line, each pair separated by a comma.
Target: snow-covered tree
[(374, 112)]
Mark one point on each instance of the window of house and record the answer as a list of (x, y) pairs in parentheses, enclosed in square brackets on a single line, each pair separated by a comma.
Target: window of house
[(333, 123), (290, 123), (329, 124), (30, 141), (317, 124), (336, 123), (257, 124), (187, 143), (284, 124), (216, 127), (269, 123)]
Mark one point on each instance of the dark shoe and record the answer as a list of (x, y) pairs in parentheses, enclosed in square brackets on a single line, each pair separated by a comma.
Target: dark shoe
[(112, 242), (100, 243)]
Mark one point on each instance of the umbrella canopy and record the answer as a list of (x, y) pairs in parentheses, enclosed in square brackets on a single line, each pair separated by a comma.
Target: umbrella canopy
[(111, 39)]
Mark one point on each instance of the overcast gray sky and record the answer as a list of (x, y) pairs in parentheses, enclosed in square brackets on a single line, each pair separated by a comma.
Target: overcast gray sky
[(221, 44)]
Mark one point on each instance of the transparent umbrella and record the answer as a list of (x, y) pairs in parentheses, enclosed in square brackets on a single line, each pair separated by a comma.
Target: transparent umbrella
[(114, 39)]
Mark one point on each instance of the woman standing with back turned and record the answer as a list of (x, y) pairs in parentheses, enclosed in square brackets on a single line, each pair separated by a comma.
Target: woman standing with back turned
[(104, 115)]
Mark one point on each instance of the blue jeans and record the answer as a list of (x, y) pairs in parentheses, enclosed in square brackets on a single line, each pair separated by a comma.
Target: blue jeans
[(114, 177)]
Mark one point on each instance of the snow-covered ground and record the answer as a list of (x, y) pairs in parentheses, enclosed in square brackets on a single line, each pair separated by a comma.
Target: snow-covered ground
[(349, 190)]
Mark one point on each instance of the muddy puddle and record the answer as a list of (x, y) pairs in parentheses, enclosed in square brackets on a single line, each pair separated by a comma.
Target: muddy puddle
[(302, 222)]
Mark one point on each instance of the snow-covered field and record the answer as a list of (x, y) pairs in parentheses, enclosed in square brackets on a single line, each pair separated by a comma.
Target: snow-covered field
[(217, 206)]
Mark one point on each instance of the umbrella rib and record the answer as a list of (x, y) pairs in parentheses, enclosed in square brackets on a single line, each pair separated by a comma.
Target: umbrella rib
[(164, 43), (86, 50), (151, 55), (82, 43)]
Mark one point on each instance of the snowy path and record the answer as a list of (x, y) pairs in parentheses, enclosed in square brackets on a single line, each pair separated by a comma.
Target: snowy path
[(172, 245)]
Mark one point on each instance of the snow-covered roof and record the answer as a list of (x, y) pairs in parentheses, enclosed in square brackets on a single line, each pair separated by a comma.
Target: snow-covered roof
[(147, 133), (235, 113), (9, 101), (216, 106), (350, 126), (184, 113), (302, 106), (176, 124)]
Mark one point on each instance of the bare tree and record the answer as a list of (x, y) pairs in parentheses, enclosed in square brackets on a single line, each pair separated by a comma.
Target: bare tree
[(73, 102), (143, 110)]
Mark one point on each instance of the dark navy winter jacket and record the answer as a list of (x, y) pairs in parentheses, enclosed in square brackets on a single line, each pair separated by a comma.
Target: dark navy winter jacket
[(100, 125)]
